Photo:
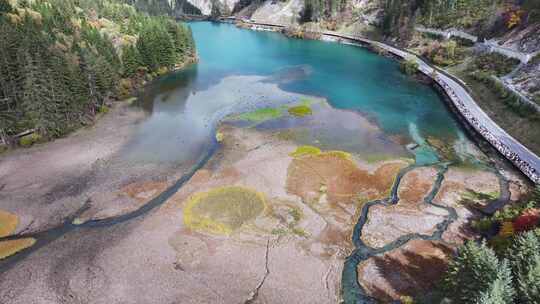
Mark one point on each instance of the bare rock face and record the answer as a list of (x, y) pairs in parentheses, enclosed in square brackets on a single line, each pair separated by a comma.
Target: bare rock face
[(285, 13), (523, 40), (410, 215), (410, 270)]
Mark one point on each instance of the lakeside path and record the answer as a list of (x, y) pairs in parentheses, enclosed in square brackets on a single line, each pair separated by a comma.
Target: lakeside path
[(519, 155), (512, 149)]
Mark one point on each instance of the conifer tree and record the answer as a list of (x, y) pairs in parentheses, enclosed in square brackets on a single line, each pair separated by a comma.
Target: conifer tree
[(524, 256), (474, 270), (131, 60), (500, 290)]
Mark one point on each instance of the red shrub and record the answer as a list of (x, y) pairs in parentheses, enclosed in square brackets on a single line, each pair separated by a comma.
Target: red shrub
[(527, 220)]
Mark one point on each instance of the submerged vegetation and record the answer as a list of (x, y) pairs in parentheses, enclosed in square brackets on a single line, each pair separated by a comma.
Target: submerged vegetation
[(62, 60), (300, 111), (260, 115)]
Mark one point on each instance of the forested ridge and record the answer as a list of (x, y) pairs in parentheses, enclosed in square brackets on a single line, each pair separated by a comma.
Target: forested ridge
[(61, 61)]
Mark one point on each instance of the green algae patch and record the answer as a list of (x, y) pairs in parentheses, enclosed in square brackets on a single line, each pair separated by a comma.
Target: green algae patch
[(223, 210), (260, 115), (10, 247), (305, 151), (300, 111), (8, 223)]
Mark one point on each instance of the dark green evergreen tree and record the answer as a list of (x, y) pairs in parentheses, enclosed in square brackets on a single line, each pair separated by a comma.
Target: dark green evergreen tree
[(524, 256), (475, 274), (131, 60)]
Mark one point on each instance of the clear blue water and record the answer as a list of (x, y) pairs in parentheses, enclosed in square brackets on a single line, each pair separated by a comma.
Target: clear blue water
[(185, 105), (349, 77)]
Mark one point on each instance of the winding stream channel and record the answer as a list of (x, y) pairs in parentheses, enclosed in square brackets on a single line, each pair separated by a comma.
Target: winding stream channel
[(235, 66)]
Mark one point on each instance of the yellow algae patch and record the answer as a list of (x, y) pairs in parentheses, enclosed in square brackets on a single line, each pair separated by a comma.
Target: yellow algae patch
[(311, 150), (300, 111), (340, 177), (223, 210), (305, 151), (219, 136), (8, 248), (8, 223)]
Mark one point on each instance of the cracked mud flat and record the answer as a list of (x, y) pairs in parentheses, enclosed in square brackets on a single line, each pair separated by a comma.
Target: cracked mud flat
[(293, 251)]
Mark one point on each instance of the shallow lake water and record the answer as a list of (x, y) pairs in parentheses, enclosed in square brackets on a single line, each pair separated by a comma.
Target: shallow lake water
[(241, 70)]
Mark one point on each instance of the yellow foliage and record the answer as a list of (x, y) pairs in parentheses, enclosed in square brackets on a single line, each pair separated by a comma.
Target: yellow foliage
[(406, 300), (26, 12), (515, 19), (8, 248), (162, 71), (8, 223), (507, 229), (15, 19)]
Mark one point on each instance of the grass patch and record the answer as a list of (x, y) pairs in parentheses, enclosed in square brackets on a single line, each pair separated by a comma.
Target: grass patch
[(526, 129)]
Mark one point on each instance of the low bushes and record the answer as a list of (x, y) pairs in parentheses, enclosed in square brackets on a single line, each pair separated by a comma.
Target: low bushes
[(512, 100), (408, 67), (495, 63)]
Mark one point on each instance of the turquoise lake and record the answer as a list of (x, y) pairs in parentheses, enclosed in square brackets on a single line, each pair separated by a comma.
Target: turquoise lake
[(186, 104)]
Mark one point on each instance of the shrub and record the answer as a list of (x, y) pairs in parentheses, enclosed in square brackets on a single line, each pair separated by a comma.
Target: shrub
[(29, 139), (495, 63), (408, 67), (507, 230), (527, 220)]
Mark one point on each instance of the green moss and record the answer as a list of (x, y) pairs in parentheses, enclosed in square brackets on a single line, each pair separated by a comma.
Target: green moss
[(300, 111), (260, 115), (29, 139), (305, 151)]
